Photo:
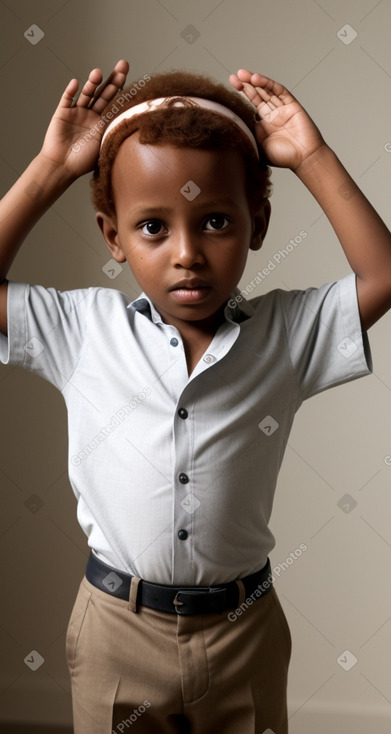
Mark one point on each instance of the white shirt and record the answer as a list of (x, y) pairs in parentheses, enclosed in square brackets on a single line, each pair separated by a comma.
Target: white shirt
[(154, 452)]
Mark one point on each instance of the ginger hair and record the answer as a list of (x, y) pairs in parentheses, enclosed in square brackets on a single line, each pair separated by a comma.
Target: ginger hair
[(187, 127)]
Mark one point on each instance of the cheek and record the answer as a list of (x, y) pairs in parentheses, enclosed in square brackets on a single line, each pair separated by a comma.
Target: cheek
[(144, 263), (237, 256), (235, 265), (132, 250), (137, 264)]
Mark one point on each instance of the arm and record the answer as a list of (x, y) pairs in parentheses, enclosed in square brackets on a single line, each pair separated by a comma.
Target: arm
[(291, 139), (363, 235), (60, 161)]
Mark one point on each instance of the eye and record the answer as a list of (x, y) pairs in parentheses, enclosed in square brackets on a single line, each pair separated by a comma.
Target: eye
[(153, 227), (217, 221)]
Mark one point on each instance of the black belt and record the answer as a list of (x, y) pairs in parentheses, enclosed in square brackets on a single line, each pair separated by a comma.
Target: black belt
[(182, 600)]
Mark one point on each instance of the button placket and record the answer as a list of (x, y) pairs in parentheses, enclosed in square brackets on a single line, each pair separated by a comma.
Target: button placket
[(185, 497), (183, 523)]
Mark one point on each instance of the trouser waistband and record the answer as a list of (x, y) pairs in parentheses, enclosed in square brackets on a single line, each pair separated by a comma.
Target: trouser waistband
[(184, 600)]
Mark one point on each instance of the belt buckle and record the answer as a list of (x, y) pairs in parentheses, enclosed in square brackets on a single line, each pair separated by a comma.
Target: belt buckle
[(177, 603), (216, 595)]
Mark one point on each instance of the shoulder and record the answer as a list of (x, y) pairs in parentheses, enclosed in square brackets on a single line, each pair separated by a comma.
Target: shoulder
[(109, 296), (51, 304), (323, 296)]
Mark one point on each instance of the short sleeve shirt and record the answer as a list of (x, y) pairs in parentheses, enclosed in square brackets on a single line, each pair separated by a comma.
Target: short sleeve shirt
[(175, 474)]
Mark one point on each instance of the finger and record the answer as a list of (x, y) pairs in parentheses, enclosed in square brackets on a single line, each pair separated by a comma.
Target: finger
[(259, 80), (244, 75), (256, 96), (233, 79), (122, 66), (267, 111), (100, 101), (276, 100), (69, 93), (272, 87), (88, 90), (109, 88), (271, 99), (261, 84)]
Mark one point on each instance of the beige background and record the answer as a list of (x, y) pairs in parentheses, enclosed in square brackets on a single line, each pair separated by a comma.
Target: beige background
[(337, 594)]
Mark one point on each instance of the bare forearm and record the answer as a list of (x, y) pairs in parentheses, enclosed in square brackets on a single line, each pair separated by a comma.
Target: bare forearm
[(363, 235), (30, 197)]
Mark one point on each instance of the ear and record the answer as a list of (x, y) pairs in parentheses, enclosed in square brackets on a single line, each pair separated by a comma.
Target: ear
[(261, 218), (108, 227)]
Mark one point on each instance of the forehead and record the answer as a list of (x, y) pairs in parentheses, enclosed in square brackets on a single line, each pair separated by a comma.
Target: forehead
[(162, 170)]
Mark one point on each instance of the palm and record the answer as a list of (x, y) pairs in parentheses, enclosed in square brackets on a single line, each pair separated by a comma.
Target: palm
[(285, 131), (65, 132), (73, 137)]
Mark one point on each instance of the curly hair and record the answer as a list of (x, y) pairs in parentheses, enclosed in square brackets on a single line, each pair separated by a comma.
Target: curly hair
[(187, 127)]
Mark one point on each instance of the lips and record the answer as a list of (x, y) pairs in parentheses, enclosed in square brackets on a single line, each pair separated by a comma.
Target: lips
[(191, 290), (190, 284)]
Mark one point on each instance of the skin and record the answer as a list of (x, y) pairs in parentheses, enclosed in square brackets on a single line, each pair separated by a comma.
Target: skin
[(289, 139), (207, 238)]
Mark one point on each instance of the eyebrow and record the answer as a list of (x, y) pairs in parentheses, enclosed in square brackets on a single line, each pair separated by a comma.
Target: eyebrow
[(146, 210)]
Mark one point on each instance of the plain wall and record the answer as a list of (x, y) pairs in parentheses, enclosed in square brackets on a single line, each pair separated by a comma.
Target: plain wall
[(337, 595)]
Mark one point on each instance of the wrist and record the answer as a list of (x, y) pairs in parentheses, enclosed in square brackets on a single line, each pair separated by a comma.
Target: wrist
[(52, 173), (318, 159), (327, 179)]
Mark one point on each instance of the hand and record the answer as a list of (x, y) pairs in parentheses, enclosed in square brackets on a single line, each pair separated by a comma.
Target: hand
[(285, 131), (72, 123)]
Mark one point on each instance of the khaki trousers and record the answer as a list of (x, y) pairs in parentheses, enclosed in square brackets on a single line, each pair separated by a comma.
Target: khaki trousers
[(150, 672)]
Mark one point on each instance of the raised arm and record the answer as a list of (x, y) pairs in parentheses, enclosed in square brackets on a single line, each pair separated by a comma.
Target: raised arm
[(291, 139), (68, 151)]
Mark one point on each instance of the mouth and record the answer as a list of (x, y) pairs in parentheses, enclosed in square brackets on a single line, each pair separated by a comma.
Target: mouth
[(190, 290)]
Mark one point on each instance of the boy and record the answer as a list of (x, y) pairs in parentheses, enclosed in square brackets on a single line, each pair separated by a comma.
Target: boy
[(180, 402)]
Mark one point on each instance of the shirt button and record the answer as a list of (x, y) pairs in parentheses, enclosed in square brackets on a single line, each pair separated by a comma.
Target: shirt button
[(182, 412), (183, 478), (182, 534), (208, 358), (174, 341)]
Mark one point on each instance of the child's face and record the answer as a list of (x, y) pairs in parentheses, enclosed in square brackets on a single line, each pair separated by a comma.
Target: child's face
[(187, 246)]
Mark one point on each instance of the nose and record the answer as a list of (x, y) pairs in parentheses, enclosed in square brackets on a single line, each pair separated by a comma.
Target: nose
[(187, 249)]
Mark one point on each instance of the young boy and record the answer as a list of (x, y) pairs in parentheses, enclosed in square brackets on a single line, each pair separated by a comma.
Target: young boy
[(180, 403)]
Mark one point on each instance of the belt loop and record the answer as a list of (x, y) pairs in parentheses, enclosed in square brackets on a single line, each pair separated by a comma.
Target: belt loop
[(133, 593), (242, 591)]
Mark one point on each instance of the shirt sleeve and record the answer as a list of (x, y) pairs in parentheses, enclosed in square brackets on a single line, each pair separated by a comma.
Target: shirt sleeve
[(326, 344), (46, 328)]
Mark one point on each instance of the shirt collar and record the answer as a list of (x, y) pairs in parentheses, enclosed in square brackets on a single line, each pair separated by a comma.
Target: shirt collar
[(238, 309)]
